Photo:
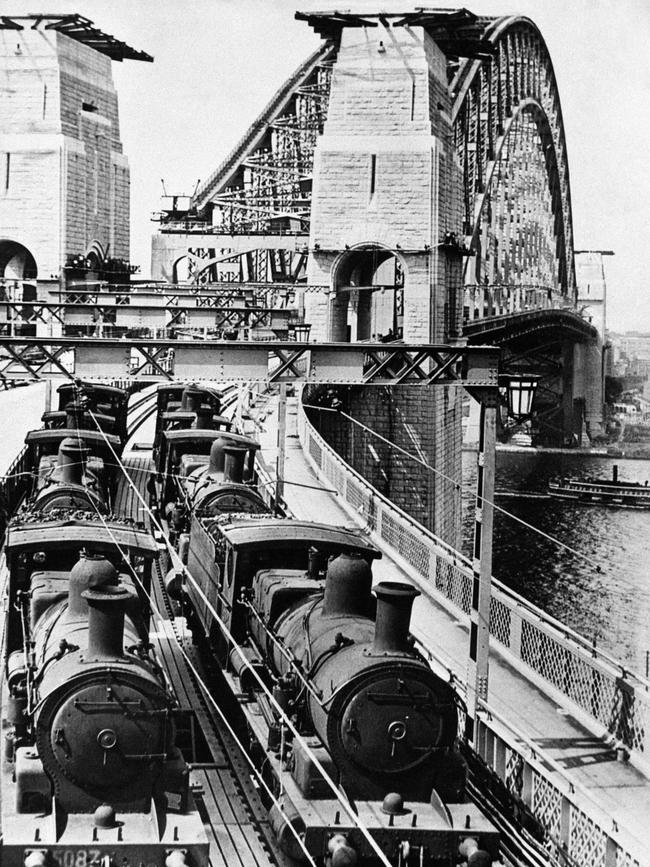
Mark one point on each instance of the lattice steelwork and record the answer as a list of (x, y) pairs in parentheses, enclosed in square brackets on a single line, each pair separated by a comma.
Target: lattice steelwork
[(265, 187), (508, 135), (510, 139)]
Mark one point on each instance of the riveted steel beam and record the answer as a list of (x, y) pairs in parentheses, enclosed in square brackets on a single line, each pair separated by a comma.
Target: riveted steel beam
[(35, 358)]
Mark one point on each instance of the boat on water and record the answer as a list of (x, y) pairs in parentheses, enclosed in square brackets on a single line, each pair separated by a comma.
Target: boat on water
[(605, 492)]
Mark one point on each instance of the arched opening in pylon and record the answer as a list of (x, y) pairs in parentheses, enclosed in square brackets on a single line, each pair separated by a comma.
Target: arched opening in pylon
[(16, 262), (18, 270), (368, 301), (181, 270)]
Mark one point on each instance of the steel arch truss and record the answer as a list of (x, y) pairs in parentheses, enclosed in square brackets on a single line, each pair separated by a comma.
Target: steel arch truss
[(264, 185), (509, 136)]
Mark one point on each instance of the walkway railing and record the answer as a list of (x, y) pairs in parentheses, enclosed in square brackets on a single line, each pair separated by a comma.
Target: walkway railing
[(557, 658), (13, 487), (578, 828)]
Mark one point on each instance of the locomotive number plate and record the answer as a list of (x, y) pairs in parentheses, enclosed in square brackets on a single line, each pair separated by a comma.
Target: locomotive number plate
[(77, 857)]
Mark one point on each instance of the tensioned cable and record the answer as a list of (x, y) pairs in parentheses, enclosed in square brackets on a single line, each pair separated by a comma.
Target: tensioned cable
[(180, 566), (459, 486), (206, 691)]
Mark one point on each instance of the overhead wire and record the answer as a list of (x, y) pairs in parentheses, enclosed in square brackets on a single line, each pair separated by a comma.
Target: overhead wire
[(204, 687), (459, 485), (180, 566)]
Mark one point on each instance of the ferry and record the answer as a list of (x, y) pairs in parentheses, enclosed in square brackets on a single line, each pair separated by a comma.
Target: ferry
[(605, 492)]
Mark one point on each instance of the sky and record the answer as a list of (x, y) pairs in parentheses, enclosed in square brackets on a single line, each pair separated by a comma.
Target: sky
[(218, 62)]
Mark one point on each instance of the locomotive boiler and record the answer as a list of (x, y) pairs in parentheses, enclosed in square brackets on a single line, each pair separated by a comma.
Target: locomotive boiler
[(387, 721), (329, 680), (74, 462), (90, 762)]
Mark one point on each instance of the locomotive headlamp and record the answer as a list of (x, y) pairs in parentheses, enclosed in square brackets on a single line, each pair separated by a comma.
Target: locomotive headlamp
[(35, 858), (341, 854), (39, 556), (476, 857), (176, 858)]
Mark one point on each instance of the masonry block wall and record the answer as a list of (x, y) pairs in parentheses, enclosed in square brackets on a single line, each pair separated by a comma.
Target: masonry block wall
[(64, 181), (417, 420), (386, 177)]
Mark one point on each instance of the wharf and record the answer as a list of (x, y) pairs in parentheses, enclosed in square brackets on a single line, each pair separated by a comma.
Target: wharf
[(619, 789)]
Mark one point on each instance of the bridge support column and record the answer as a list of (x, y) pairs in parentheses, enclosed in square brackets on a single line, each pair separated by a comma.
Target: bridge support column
[(571, 408), (594, 389), (387, 192), (582, 391)]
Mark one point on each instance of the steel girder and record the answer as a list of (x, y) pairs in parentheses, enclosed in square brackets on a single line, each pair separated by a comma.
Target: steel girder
[(273, 361), (151, 318), (531, 325), (508, 133), (510, 138)]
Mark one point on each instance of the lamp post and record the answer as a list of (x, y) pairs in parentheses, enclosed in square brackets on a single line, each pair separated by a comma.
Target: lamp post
[(479, 627), (301, 332), (520, 391)]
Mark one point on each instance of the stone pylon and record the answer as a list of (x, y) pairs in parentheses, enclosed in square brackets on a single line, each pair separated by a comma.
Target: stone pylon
[(386, 212)]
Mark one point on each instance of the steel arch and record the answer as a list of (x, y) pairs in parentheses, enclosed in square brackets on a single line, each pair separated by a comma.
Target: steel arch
[(490, 94)]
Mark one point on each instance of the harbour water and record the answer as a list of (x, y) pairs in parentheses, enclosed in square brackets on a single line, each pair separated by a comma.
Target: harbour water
[(601, 586)]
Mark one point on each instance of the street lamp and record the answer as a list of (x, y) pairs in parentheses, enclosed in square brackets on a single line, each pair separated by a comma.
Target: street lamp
[(520, 391), (301, 332)]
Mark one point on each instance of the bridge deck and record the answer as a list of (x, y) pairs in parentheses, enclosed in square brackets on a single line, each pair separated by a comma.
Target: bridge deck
[(233, 819), (621, 789)]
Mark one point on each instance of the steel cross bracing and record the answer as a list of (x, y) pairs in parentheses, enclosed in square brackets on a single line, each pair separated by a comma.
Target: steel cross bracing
[(170, 295), (91, 358), (204, 313), (508, 134)]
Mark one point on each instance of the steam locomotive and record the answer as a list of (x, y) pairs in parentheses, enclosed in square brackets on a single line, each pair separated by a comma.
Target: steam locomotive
[(90, 773), (344, 716)]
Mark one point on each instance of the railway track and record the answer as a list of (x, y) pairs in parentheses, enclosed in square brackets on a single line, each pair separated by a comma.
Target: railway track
[(228, 800)]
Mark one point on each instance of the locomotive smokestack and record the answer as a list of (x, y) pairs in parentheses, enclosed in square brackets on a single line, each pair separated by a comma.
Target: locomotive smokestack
[(394, 604), (74, 413), (317, 564), (203, 418), (71, 460), (217, 456), (233, 468), (347, 586), (106, 607), (191, 398), (91, 570)]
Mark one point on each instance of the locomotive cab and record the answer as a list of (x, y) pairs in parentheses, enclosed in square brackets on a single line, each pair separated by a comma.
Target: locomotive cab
[(69, 462), (188, 401), (106, 402), (340, 704)]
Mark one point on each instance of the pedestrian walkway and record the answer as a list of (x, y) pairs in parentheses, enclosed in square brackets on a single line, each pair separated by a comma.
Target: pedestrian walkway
[(618, 787), (20, 411)]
